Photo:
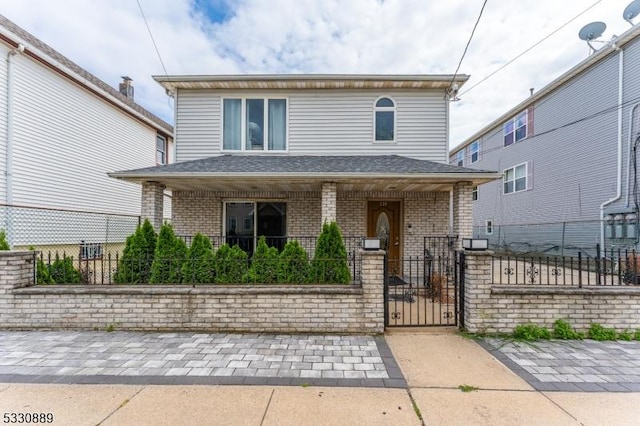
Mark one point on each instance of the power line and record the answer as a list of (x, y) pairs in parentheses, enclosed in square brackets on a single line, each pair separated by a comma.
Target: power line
[(152, 39), (530, 48), (571, 123), (468, 42)]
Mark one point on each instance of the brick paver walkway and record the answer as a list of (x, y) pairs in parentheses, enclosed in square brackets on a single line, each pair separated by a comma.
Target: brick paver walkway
[(130, 357), (576, 365)]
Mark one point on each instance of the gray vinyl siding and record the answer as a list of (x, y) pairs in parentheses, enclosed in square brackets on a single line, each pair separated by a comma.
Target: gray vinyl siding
[(67, 139), (322, 122), (572, 169), (3, 120)]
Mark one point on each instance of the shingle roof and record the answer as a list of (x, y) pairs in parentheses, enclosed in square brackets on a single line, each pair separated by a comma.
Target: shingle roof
[(81, 72), (294, 164)]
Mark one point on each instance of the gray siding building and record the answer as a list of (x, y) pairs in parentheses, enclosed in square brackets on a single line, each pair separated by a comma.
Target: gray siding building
[(568, 155)]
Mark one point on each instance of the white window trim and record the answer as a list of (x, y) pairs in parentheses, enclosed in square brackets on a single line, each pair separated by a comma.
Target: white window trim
[(243, 130), (488, 227), (471, 151), (474, 192), (395, 120), (526, 177), (459, 158), (166, 150)]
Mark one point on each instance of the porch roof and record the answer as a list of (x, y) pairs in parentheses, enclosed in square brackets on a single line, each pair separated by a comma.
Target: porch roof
[(297, 172)]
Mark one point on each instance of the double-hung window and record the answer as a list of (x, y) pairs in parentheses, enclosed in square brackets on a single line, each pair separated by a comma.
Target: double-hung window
[(460, 158), (255, 124), (474, 152), (515, 129), (385, 120), (515, 179), (161, 150)]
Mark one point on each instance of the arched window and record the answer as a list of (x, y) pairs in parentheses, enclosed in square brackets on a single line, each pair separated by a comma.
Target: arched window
[(385, 120)]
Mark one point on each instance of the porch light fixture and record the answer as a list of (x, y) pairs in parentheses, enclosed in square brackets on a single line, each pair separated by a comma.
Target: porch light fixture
[(371, 243), (475, 244)]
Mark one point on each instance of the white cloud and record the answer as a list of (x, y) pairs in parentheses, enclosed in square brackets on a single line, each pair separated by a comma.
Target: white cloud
[(109, 38)]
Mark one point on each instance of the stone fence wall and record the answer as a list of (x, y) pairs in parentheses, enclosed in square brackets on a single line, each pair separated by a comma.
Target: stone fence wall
[(213, 308), (492, 308)]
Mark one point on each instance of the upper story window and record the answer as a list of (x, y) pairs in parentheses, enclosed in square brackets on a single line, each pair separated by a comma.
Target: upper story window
[(254, 124), (474, 152), (515, 179), (161, 150), (460, 158), (385, 120), (516, 129)]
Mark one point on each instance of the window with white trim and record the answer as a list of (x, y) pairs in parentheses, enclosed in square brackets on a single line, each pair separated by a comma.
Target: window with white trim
[(474, 193), (161, 150), (515, 179), (90, 251), (460, 158), (255, 124), (385, 120), (474, 152), (488, 227), (515, 129)]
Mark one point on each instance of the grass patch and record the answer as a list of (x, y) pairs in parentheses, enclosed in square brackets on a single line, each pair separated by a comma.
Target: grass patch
[(530, 332), (468, 388), (600, 333), (563, 330)]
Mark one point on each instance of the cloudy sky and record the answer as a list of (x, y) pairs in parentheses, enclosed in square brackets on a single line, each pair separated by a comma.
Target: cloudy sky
[(109, 38)]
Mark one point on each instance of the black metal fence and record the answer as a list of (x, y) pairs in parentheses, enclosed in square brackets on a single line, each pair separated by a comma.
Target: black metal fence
[(613, 267), (115, 268)]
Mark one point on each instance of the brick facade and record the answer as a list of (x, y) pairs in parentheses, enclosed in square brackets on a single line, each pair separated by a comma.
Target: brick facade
[(213, 308), (463, 211), (491, 308)]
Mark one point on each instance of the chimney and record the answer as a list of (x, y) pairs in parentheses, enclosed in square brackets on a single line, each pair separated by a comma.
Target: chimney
[(126, 87)]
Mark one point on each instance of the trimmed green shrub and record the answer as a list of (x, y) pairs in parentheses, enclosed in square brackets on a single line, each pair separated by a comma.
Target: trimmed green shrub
[(4, 244), (293, 265), (230, 264), (598, 332), (329, 264), (137, 257), (562, 330), (63, 272), (264, 264), (530, 332), (198, 266), (169, 257), (625, 335)]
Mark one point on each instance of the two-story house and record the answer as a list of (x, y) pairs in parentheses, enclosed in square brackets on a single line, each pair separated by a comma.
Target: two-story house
[(568, 154), (278, 155), (61, 130)]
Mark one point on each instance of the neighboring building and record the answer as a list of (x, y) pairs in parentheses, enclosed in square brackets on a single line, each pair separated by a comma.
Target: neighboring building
[(278, 155), (61, 130), (568, 156)]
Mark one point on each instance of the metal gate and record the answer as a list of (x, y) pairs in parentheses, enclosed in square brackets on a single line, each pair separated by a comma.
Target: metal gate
[(426, 292)]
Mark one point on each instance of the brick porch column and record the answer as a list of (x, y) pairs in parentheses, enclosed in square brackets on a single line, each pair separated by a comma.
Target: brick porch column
[(152, 203), (16, 270), (329, 197), (372, 278), (477, 289), (462, 211)]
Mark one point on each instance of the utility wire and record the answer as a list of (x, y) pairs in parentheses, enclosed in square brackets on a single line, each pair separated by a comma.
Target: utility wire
[(468, 43), (152, 39), (571, 123), (530, 48)]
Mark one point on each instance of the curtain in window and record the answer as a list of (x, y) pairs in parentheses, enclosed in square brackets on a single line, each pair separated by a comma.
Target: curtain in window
[(277, 124), (232, 127)]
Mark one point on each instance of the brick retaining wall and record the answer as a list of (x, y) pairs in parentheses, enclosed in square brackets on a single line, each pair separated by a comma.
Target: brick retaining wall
[(491, 308), (230, 308)]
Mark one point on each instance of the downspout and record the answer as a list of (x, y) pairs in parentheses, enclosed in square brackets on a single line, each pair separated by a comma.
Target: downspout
[(9, 146), (619, 177), (633, 110)]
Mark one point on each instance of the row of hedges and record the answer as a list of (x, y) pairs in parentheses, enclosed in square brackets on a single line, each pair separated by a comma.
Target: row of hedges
[(166, 259)]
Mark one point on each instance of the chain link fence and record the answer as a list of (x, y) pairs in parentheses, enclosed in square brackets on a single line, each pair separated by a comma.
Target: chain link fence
[(68, 230), (559, 238)]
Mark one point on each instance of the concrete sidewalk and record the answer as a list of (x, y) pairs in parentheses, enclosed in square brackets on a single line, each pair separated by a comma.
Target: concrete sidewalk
[(434, 365)]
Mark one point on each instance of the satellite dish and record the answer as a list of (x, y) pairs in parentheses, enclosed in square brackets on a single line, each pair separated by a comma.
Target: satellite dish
[(631, 11), (591, 32)]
